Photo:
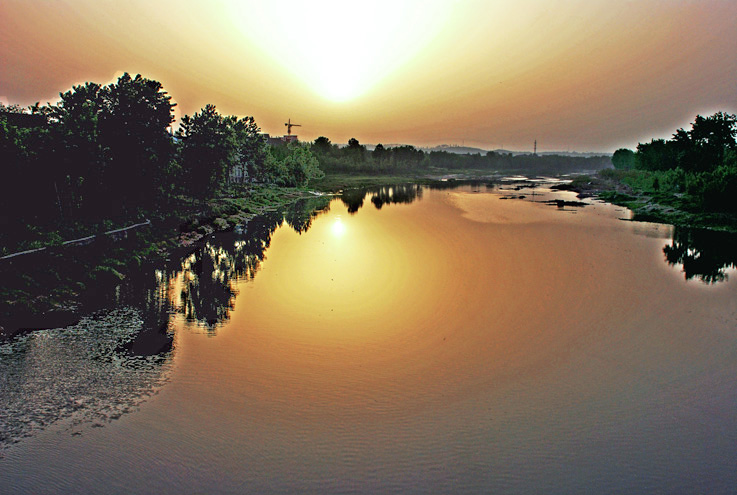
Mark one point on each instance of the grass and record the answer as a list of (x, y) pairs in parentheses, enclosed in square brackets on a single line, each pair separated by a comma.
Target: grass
[(656, 196)]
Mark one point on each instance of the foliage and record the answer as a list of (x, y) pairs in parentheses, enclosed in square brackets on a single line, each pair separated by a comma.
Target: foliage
[(700, 162), (133, 125), (107, 153), (291, 165), (623, 159), (716, 190), (209, 150)]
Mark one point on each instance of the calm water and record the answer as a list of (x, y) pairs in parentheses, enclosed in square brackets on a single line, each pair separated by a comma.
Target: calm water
[(406, 340)]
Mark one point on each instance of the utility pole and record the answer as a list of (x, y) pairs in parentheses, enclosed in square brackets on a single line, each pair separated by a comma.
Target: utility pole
[(535, 148)]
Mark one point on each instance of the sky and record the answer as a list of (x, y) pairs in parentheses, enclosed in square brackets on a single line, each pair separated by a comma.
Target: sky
[(592, 75)]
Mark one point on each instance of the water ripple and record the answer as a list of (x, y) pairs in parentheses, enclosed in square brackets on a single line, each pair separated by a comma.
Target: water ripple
[(79, 373)]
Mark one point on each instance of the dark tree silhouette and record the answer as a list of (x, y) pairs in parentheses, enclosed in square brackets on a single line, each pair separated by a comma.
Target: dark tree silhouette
[(209, 149), (623, 159)]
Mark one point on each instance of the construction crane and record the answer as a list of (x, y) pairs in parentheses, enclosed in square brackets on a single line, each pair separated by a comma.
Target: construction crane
[(290, 125)]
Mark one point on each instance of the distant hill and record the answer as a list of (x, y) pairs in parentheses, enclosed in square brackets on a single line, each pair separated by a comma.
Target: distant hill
[(583, 154), (469, 150), (460, 150)]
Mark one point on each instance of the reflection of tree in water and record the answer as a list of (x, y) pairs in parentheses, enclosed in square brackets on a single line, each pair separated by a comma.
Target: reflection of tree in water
[(396, 194), (209, 275), (704, 254), (83, 373), (300, 214), (353, 199), (385, 195), (104, 366), (404, 193), (207, 294)]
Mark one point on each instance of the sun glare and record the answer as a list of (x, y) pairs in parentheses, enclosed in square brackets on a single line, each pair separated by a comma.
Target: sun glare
[(338, 227), (341, 49)]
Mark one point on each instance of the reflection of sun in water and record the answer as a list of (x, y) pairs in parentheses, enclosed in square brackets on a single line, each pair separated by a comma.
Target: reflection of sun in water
[(341, 49), (338, 227)]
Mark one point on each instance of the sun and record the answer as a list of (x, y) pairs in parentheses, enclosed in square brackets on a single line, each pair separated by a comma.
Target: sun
[(341, 49), (338, 228)]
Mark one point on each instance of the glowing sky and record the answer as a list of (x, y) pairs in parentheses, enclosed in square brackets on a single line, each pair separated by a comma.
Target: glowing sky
[(573, 74)]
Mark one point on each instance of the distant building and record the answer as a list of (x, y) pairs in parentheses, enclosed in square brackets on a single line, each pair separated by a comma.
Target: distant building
[(273, 141), (280, 141)]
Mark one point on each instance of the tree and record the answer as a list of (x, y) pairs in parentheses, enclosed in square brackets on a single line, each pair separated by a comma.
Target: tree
[(718, 130), (355, 150), (623, 159), (379, 153), (700, 149), (11, 108), (353, 144), (407, 155), (210, 148), (292, 165), (658, 154), (133, 126), (322, 145), (251, 147), (302, 165), (82, 160), (17, 175), (710, 137)]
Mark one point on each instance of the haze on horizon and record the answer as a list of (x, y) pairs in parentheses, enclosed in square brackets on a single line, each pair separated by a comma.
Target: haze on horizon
[(580, 75)]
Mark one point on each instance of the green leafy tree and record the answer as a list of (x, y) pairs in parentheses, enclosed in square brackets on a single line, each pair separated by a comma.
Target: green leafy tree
[(658, 154), (379, 154), (83, 160), (210, 148), (623, 159), (302, 165), (251, 147), (700, 149), (134, 127), (292, 165), (407, 156), (322, 145), (11, 108), (718, 130), (355, 150), (709, 137)]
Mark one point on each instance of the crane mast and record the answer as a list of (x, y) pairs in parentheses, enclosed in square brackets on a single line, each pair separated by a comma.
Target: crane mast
[(290, 125)]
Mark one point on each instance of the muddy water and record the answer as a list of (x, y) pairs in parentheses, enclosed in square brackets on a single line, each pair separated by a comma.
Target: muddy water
[(408, 340)]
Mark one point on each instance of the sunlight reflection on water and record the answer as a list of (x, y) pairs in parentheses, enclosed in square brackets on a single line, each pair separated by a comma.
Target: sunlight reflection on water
[(457, 343)]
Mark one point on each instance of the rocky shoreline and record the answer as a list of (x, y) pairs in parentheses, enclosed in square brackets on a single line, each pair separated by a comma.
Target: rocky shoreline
[(665, 209)]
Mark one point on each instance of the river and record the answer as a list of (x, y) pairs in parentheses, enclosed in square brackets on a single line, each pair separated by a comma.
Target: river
[(401, 340)]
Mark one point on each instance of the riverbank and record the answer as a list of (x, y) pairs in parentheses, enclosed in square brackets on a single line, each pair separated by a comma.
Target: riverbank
[(58, 282), (640, 192), (52, 287)]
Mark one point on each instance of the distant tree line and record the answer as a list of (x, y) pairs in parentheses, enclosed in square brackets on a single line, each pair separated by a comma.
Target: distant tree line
[(355, 158), (700, 162), (106, 152)]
